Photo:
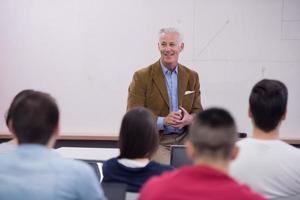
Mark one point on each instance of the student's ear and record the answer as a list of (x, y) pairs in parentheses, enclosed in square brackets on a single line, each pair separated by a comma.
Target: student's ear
[(12, 131), (190, 150), (234, 152), (53, 137), (9, 126), (55, 133), (284, 115), (250, 113)]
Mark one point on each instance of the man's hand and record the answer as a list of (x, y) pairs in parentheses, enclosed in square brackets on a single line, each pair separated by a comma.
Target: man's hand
[(185, 121), (172, 119)]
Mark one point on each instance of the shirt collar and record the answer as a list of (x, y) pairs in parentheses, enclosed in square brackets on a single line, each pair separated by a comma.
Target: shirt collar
[(166, 70)]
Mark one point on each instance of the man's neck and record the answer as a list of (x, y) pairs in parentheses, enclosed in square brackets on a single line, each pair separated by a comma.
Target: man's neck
[(169, 66), (259, 134), (220, 165)]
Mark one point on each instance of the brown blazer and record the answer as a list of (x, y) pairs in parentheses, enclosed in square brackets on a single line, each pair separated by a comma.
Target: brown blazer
[(148, 89)]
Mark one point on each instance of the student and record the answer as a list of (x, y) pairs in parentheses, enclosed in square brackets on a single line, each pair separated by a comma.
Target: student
[(138, 140), (266, 164), (34, 171), (12, 144), (211, 146)]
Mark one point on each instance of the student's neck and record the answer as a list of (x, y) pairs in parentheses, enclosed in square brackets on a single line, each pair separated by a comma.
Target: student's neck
[(51, 142), (13, 141), (220, 165), (260, 134)]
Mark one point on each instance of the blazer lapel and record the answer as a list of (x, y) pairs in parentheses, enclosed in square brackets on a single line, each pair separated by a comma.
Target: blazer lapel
[(183, 78), (159, 80)]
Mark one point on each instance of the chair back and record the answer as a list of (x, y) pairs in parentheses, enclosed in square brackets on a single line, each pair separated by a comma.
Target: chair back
[(179, 156), (114, 191), (132, 196)]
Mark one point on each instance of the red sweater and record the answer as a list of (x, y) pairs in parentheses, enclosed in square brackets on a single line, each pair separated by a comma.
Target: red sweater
[(196, 182)]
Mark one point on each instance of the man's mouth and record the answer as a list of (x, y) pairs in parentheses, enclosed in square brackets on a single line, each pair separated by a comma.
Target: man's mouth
[(168, 54)]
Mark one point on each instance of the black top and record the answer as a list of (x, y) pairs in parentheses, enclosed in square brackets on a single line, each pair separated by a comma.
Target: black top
[(113, 171)]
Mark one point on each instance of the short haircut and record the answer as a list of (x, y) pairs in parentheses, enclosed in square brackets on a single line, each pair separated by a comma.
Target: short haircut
[(213, 134), (14, 103), (35, 118), (138, 134), (268, 101), (171, 30)]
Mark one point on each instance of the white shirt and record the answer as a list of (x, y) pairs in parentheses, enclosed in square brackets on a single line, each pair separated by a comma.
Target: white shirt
[(133, 163), (270, 167)]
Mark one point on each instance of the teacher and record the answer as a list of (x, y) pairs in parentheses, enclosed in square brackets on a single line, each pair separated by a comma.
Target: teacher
[(170, 90)]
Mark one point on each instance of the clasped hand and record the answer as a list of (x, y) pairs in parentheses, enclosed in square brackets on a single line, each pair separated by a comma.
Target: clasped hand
[(176, 120)]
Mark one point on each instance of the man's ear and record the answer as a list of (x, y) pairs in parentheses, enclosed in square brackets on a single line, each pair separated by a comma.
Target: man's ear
[(234, 152), (181, 46), (190, 150)]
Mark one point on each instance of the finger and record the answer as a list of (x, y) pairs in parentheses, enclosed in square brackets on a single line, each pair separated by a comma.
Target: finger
[(173, 121), (177, 117), (177, 121), (184, 110), (176, 113)]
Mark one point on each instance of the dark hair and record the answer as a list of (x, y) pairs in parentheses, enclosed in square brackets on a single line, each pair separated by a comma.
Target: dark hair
[(268, 101), (34, 118), (213, 133), (14, 103), (138, 134)]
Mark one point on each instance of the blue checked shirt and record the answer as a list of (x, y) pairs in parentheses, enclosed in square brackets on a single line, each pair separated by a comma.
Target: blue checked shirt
[(172, 88)]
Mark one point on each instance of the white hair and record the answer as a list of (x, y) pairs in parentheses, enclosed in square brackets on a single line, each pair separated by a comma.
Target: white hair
[(171, 30)]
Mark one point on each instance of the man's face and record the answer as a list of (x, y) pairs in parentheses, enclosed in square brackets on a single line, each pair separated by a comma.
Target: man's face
[(169, 47)]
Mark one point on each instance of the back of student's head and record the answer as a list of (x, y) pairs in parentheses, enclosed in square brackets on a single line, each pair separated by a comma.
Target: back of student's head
[(21, 95), (213, 134), (35, 118), (138, 134), (268, 102)]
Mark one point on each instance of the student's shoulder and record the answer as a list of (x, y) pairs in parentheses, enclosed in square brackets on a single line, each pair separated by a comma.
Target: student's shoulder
[(69, 166), (110, 163), (164, 177), (163, 167), (246, 141), (159, 184), (244, 192)]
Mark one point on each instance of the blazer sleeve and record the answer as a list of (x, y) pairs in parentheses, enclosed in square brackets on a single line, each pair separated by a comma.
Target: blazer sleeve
[(197, 107), (136, 91)]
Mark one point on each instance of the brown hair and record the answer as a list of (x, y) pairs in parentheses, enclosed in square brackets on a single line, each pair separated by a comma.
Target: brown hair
[(213, 133), (138, 134), (35, 118)]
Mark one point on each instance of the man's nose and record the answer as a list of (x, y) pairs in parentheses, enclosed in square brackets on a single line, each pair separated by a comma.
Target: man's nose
[(167, 48)]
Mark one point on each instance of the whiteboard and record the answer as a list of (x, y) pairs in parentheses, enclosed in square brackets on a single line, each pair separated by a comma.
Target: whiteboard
[(84, 53)]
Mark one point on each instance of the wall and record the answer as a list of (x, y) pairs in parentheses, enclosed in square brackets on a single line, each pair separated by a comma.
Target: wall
[(85, 52)]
